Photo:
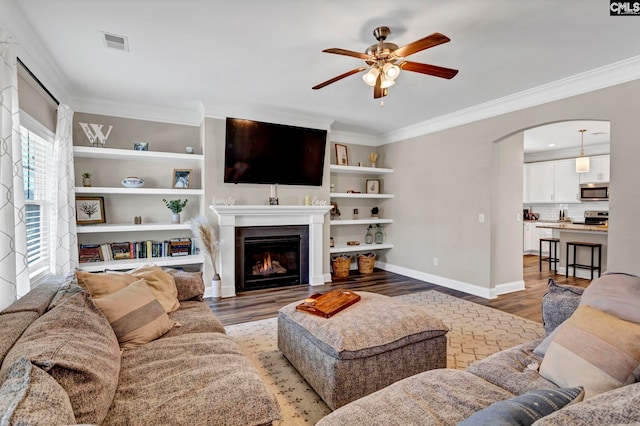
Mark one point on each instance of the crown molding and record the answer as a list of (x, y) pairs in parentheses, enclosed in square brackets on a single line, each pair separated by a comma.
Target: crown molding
[(191, 117), (353, 138), (566, 153), (31, 51), (599, 78)]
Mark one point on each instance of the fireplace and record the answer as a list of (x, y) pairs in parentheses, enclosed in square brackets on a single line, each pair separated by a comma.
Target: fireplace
[(271, 256)]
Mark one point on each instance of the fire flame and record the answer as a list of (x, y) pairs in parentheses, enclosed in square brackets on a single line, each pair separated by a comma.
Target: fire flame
[(266, 262)]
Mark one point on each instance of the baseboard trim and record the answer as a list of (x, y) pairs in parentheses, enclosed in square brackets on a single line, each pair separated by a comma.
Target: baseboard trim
[(508, 288), (469, 288), (580, 273)]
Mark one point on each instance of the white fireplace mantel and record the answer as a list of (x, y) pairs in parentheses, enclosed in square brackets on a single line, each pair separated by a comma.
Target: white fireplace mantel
[(230, 217)]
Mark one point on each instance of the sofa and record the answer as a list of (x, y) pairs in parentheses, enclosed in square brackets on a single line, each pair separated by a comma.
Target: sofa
[(65, 358), (584, 372)]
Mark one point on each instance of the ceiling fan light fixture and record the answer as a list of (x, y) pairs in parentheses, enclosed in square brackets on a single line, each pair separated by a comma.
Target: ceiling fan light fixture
[(385, 83), (391, 71), (371, 76)]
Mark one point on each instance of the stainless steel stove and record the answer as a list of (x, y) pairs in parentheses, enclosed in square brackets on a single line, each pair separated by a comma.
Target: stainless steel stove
[(595, 217)]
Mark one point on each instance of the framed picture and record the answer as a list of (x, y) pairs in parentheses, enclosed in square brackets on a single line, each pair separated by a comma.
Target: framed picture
[(182, 178), (89, 210), (140, 146), (342, 158), (373, 186)]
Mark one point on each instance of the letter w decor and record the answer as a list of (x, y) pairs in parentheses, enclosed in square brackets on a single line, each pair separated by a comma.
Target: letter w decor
[(94, 133)]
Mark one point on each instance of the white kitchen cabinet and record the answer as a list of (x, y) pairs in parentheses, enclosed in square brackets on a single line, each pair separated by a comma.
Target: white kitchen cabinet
[(551, 182), (566, 182), (541, 185), (531, 237), (599, 167)]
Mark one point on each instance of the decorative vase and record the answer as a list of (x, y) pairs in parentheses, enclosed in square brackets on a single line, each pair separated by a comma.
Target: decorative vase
[(86, 181), (373, 164), (216, 286), (379, 236), (368, 239), (175, 217)]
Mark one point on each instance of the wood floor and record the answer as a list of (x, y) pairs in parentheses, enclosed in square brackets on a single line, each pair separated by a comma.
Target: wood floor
[(260, 304)]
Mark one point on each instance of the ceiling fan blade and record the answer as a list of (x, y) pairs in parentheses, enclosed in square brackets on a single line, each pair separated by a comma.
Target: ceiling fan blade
[(378, 92), (348, 53), (340, 77), (422, 44), (428, 69)]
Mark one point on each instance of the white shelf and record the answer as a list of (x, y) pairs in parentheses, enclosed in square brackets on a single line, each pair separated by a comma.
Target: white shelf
[(343, 248), (127, 227), (135, 263), (336, 168), (360, 221), (361, 195), (137, 191), (130, 154)]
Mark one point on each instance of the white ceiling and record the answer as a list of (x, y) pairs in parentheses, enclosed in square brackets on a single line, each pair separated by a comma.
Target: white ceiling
[(240, 58), (564, 135)]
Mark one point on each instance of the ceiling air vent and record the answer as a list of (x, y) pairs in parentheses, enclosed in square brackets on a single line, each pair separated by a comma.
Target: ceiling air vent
[(115, 41)]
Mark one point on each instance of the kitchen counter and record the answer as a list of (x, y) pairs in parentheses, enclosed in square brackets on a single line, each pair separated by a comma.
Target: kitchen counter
[(575, 227), (567, 232)]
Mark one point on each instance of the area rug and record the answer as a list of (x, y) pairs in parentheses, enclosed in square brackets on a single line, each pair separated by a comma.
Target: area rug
[(476, 332)]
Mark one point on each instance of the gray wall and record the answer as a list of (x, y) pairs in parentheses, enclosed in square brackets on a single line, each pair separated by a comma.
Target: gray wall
[(443, 180)]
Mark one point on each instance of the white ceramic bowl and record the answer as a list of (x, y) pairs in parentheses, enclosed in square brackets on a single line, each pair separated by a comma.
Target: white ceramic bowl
[(132, 182)]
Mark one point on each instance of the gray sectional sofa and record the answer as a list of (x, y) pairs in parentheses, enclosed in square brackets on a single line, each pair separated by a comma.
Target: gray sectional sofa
[(500, 388), (62, 364)]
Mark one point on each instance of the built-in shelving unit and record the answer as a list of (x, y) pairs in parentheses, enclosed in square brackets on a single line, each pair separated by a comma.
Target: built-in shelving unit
[(365, 172), (159, 166)]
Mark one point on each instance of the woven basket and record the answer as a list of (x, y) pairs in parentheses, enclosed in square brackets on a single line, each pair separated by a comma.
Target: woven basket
[(341, 266), (366, 262)]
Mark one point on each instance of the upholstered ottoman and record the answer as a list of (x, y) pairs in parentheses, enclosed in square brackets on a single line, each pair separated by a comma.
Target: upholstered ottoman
[(364, 348)]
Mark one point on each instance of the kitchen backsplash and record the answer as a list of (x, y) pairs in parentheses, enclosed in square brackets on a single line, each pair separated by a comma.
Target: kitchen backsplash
[(573, 211)]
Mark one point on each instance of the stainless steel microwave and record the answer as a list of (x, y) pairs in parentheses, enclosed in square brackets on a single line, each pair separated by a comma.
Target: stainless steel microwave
[(598, 191)]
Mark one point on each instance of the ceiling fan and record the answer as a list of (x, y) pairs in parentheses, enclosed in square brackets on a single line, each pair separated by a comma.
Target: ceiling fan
[(385, 60)]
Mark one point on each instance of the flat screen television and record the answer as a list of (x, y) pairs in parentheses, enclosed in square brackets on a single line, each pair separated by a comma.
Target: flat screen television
[(257, 152)]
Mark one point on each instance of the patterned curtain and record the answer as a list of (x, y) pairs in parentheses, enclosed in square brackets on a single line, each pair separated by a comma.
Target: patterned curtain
[(64, 247), (14, 272)]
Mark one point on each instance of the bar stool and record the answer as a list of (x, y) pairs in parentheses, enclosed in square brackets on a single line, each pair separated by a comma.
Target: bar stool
[(575, 263), (553, 253)]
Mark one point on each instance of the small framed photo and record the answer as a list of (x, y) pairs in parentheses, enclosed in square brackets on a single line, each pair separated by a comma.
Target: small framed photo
[(373, 186), (182, 178), (89, 210), (140, 146), (342, 158)]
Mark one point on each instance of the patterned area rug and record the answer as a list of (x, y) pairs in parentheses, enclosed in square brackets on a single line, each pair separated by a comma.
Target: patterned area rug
[(476, 332)]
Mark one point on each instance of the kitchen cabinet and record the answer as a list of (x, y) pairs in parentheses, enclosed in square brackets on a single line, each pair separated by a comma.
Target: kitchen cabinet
[(599, 167), (551, 182), (566, 187), (531, 237), (541, 183)]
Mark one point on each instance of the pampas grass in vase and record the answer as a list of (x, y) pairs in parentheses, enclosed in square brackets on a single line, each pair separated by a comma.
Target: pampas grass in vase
[(373, 157), (207, 235)]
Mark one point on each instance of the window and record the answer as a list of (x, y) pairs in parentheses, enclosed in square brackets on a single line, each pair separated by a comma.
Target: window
[(37, 148)]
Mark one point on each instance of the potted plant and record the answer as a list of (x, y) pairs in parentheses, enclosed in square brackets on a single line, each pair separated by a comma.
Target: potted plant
[(86, 179), (176, 207)]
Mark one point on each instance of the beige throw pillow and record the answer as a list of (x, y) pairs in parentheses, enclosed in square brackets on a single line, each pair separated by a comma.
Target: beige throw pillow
[(135, 315), (594, 350), (100, 285), (161, 283)]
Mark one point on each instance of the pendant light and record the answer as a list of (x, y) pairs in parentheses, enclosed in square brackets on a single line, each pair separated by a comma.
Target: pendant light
[(582, 162)]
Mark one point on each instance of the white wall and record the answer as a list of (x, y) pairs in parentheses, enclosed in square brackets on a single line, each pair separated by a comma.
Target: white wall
[(443, 181)]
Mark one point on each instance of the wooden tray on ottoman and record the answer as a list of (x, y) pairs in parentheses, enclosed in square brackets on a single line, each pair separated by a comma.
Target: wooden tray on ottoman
[(328, 304)]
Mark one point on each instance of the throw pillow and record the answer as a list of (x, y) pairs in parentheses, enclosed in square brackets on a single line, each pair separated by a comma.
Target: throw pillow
[(558, 304), (162, 285), (75, 344), (31, 396), (100, 285), (595, 350), (189, 284), (524, 409), (135, 315)]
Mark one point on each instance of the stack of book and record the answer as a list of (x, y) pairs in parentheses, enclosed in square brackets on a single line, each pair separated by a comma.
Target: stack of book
[(137, 250)]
